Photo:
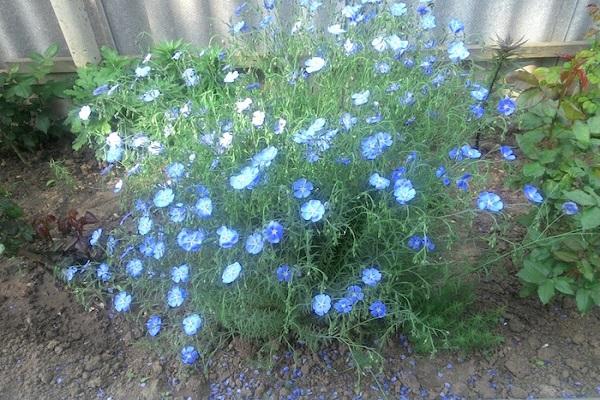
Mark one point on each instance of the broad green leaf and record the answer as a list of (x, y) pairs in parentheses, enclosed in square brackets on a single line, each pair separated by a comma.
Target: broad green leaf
[(580, 197), (51, 51), (571, 110), (594, 124), (546, 291), (563, 286), (531, 274), (534, 170), (566, 256), (42, 123), (583, 299), (590, 218), (581, 132), (528, 141), (595, 295)]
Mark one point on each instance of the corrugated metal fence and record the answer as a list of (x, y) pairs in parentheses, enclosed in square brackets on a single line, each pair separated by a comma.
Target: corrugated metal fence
[(131, 26)]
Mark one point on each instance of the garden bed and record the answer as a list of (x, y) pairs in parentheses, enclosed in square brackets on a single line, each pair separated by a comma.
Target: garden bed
[(54, 348)]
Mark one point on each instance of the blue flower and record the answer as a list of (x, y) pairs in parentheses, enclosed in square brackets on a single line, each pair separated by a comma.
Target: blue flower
[(457, 51), (479, 92), (175, 171), (428, 22), (269, 4), (273, 232), (302, 188), (231, 272), (398, 9), (465, 151), (397, 174), (111, 243), (314, 64), (100, 90), (163, 197), (393, 87), (440, 172), (227, 237), (378, 181), (361, 98), (254, 243), (192, 324), (150, 95), (354, 293), (532, 194), (378, 309), (312, 210), (203, 207), (153, 325), (374, 119), (284, 273), (144, 225), (489, 201), (279, 126), (477, 110), (122, 301), (570, 208), (95, 237), (176, 296), (428, 243), (507, 106), (69, 273), (177, 213), (381, 67), (404, 191), (321, 304), (343, 306), (373, 146), (371, 276), (456, 26), (190, 240), (463, 182), (180, 274), (415, 242), (114, 154), (246, 177), (190, 77), (134, 268), (348, 121), (103, 272), (263, 158), (507, 153), (240, 26), (189, 355)]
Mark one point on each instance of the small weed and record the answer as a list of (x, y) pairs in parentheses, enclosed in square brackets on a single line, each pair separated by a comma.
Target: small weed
[(62, 176)]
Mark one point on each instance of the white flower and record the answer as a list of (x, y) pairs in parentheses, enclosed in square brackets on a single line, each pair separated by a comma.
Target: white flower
[(243, 105), (336, 29), (361, 98), (142, 72), (147, 58), (396, 43), (258, 118), (225, 140), (314, 64), (114, 140), (84, 113), (379, 43), (231, 76)]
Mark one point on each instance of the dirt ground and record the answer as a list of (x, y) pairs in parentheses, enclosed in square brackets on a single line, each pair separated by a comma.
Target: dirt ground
[(54, 348)]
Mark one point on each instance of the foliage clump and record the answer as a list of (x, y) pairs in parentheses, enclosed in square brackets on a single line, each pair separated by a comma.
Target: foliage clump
[(305, 183)]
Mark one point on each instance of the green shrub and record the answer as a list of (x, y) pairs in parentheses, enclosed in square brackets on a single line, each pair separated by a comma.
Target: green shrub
[(26, 119), (14, 231), (342, 167), (561, 141)]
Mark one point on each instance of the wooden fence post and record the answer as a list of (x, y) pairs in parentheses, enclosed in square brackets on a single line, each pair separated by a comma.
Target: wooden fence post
[(77, 30)]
